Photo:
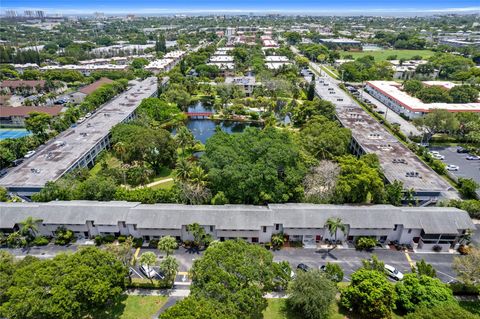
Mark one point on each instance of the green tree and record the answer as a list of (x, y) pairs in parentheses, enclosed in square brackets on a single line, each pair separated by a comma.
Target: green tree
[(463, 94), (467, 268), (443, 311), (434, 94), (38, 123), (139, 63), (3, 194), (219, 199), (200, 308), (369, 295), (183, 168), (169, 266), (264, 165), (82, 283), (334, 272), (200, 237), (98, 188), (394, 193), (235, 273), (311, 90), (360, 181), (184, 138), (416, 291), (277, 240), (28, 227), (311, 295), (468, 188), (424, 269), (167, 244), (412, 87), (374, 264), (324, 139), (6, 157), (306, 110), (335, 224)]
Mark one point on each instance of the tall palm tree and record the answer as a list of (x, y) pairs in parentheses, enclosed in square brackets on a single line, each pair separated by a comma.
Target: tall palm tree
[(121, 150), (29, 226), (184, 138), (198, 177), (334, 225), (183, 169)]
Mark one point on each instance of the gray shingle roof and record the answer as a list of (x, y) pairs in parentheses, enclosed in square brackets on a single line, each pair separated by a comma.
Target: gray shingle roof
[(446, 220)]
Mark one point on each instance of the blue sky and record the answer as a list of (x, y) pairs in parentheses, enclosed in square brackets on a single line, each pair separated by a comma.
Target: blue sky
[(151, 7)]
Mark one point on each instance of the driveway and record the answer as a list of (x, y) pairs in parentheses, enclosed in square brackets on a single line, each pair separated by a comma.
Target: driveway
[(406, 127)]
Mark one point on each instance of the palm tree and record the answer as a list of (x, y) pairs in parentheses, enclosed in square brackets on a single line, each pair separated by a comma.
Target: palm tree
[(167, 244), (334, 225), (169, 266), (198, 177), (148, 259), (29, 226), (184, 138), (120, 149), (183, 169)]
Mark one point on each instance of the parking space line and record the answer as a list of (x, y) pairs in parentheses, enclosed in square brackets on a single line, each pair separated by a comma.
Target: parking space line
[(135, 256), (183, 273), (409, 259), (138, 274), (438, 271)]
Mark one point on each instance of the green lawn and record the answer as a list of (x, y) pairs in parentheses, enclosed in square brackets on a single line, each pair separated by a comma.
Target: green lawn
[(330, 71), (166, 185), (134, 307), (277, 310), (382, 55)]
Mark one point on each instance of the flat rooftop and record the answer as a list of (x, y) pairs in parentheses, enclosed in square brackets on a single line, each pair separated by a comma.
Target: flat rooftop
[(397, 161), (53, 160), (392, 90)]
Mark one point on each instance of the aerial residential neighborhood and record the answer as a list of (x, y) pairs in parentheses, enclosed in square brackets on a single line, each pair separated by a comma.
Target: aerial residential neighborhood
[(223, 160)]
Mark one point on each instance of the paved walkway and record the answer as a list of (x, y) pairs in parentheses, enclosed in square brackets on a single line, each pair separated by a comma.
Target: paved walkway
[(170, 302), (166, 180), (159, 292)]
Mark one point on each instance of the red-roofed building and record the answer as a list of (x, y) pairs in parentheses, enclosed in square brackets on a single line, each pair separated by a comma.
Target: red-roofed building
[(95, 85), (31, 86), (17, 115)]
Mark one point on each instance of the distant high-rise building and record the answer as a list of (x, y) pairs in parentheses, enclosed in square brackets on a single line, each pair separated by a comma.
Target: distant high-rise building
[(11, 13), (99, 15), (29, 13), (40, 14)]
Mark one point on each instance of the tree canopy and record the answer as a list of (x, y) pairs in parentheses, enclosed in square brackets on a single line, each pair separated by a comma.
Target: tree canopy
[(256, 166), (77, 284)]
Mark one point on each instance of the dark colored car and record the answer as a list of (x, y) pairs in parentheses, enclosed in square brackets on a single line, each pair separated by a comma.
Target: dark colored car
[(462, 150), (3, 172), (303, 267)]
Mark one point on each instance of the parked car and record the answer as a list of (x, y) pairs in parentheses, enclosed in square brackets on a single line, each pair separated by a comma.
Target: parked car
[(17, 162), (303, 267), (80, 120), (473, 157), (451, 167), (438, 156), (393, 272), (462, 150), (3, 172), (29, 154), (148, 271), (88, 115)]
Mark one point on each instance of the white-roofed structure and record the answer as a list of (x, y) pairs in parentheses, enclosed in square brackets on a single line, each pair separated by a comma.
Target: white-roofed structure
[(390, 94)]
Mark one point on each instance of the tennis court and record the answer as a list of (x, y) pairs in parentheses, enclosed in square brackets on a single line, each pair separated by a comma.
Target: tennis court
[(13, 133)]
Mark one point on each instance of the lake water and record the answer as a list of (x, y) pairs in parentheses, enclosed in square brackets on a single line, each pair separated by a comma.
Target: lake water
[(203, 128)]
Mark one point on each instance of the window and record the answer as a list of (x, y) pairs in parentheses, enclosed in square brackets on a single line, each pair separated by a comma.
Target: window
[(395, 228), (410, 231), (254, 239), (277, 226), (264, 229), (211, 228), (134, 226)]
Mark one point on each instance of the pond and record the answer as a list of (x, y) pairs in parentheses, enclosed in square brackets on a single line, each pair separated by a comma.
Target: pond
[(203, 128)]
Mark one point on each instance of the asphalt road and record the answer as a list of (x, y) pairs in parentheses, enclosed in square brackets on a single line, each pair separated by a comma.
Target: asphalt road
[(467, 169), (349, 259)]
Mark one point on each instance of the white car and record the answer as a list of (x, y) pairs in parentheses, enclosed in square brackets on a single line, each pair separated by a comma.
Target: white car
[(393, 272), (80, 120), (148, 271), (29, 154), (88, 115), (438, 156), (473, 157), (451, 167)]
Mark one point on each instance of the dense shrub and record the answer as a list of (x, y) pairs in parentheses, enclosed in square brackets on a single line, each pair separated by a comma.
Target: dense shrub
[(365, 243), (40, 241), (138, 242), (63, 236)]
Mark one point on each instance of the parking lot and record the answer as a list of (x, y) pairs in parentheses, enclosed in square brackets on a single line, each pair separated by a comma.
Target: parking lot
[(467, 169), (349, 259)]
